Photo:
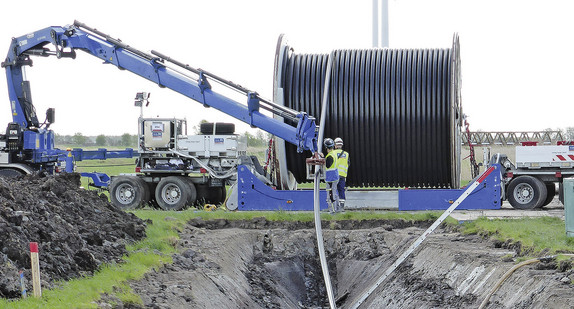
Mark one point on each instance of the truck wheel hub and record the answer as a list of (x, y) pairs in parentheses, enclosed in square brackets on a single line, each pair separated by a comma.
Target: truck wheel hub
[(524, 193)]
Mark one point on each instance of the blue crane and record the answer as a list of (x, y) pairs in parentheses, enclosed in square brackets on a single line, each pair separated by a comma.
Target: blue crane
[(28, 145)]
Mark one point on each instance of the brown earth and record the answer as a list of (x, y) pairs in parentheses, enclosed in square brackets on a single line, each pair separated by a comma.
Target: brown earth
[(263, 264)]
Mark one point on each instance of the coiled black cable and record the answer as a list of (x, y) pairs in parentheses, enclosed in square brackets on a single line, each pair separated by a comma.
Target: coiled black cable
[(397, 111)]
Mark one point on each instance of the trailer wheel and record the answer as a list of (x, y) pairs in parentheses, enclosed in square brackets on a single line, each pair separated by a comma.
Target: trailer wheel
[(126, 192), (210, 195), (173, 193), (146, 191), (10, 173), (550, 193), (223, 194), (193, 191), (526, 192)]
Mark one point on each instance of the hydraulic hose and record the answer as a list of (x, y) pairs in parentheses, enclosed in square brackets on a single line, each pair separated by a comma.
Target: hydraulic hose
[(213, 173), (316, 199), (508, 273)]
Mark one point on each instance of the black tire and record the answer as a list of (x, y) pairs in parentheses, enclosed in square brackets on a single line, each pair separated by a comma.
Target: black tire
[(210, 195), (221, 128), (146, 191), (173, 193), (126, 192), (223, 194), (10, 173), (217, 195), (526, 192), (202, 197), (550, 193), (193, 191)]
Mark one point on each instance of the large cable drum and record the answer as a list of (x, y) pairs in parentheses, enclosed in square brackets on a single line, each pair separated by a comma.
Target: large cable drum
[(397, 110)]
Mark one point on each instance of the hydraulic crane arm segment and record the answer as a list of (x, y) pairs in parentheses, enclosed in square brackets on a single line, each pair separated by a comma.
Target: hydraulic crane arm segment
[(153, 67)]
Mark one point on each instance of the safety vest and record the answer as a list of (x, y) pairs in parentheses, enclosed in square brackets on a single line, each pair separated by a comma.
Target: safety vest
[(331, 172), (342, 162)]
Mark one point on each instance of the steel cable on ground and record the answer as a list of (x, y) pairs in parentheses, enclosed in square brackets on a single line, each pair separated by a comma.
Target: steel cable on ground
[(397, 111)]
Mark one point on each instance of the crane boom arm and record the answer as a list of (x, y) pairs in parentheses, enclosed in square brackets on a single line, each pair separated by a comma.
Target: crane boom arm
[(192, 83)]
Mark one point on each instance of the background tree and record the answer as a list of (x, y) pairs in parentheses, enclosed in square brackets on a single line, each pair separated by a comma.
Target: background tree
[(101, 140), (569, 133), (128, 140), (256, 140), (79, 139)]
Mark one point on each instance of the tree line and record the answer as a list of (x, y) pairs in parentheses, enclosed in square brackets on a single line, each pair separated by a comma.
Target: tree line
[(79, 139), (259, 139)]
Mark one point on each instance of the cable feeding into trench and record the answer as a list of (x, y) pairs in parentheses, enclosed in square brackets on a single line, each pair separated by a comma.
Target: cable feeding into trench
[(397, 111), (317, 204), (510, 272)]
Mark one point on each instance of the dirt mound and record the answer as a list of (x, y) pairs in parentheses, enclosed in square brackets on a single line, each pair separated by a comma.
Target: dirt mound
[(76, 229)]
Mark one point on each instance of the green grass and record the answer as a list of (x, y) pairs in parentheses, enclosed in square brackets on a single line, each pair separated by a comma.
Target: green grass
[(538, 236), (303, 216), (151, 253)]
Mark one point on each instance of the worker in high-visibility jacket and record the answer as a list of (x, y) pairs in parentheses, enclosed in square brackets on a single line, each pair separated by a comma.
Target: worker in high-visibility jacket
[(331, 175), (343, 168)]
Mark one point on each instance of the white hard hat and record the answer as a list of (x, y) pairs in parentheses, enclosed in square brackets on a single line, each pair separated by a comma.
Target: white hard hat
[(339, 141)]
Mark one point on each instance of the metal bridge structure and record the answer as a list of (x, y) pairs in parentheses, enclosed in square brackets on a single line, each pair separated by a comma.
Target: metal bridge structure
[(514, 138)]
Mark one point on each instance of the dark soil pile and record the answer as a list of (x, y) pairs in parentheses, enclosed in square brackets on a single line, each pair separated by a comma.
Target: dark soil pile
[(76, 230)]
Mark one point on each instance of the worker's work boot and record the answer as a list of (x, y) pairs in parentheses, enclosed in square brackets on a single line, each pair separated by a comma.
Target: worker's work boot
[(330, 206), (341, 206)]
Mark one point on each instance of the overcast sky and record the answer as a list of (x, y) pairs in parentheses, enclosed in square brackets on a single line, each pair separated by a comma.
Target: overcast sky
[(517, 56)]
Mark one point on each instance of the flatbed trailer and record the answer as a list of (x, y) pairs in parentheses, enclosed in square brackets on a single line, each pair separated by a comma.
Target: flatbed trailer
[(537, 176)]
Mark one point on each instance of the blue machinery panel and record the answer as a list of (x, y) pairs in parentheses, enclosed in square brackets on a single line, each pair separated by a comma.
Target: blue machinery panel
[(486, 196), (253, 194), (100, 180)]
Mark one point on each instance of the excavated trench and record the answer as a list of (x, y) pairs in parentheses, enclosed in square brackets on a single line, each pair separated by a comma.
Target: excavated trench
[(264, 264)]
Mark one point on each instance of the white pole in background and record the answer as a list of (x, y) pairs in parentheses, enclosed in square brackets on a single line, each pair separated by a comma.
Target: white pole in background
[(380, 23), (375, 23), (384, 23)]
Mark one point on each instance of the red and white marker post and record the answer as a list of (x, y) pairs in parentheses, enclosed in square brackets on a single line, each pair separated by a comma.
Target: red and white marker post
[(35, 261)]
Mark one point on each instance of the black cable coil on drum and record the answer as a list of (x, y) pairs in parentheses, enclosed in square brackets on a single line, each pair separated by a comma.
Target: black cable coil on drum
[(397, 111)]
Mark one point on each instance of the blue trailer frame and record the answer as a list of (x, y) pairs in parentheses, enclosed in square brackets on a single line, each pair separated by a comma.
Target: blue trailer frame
[(486, 196)]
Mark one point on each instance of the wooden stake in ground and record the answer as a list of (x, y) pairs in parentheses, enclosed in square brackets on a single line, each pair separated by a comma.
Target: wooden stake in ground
[(35, 269)]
